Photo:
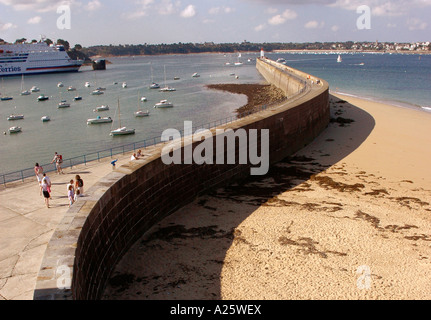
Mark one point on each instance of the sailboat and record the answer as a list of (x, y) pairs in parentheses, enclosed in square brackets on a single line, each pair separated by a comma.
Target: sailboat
[(141, 113), (339, 59), (166, 88), (153, 84), (121, 130), (5, 98), (24, 92), (239, 63)]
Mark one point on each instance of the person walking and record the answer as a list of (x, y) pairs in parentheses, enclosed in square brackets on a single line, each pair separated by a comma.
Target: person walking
[(71, 183), (79, 184), (44, 189), (48, 181), (71, 195), (58, 159), (38, 170)]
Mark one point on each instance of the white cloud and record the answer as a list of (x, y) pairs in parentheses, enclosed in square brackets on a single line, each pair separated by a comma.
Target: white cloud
[(39, 5), (166, 7), (260, 27), (189, 11), (7, 26), (282, 18), (34, 20), (416, 24), (217, 10), (93, 5), (314, 24), (335, 28), (271, 10)]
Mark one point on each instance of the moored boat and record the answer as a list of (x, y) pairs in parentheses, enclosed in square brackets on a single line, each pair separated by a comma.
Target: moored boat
[(15, 129), (99, 119), (141, 113), (42, 97), (97, 92), (163, 104), (45, 119), (101, 108), (15, 117), (63, 104)]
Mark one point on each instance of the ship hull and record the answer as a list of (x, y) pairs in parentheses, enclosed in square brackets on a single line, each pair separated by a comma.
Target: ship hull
[(27, 59)]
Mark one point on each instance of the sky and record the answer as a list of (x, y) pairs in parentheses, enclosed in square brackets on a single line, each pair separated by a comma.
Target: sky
[(104, 22)]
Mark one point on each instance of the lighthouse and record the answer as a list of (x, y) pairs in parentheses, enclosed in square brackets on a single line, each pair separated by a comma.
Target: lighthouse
[(262, 53)]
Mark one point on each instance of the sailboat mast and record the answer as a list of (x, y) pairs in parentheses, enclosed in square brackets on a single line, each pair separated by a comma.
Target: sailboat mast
[(119, 113)]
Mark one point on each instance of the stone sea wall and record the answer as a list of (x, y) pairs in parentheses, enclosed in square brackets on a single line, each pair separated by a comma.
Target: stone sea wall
[(99, 229)]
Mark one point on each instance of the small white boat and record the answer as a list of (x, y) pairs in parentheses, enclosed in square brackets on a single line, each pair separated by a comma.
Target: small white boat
[(42, 97), (34, 89), (15, 117), (25, 93), (176, 78), (163, 104), (339, 59), (63, 104), (143, 99), (99, 119), (124, 85), (15, 129), (167, 89), (101, 108), (141, 113), (154, 86), (45, 119), (195, 75), (97, 92), (281, 60), (122, 131), (60, 85), (71, 89), (87, 84)]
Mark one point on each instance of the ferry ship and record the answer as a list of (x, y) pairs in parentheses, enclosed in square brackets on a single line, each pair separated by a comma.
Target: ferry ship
[(35, 58)]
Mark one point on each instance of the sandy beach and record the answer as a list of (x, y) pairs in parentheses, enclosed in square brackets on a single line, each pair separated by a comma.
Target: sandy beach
[(347, 217)]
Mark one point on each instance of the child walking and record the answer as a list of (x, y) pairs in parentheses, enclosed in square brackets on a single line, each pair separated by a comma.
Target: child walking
[(71, 195)]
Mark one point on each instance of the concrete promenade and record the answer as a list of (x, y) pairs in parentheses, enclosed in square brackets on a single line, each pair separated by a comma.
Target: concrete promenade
[(26, 224)]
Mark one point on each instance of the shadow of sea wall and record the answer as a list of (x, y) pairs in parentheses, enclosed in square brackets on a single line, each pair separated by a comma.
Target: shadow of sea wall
[(183, 256)]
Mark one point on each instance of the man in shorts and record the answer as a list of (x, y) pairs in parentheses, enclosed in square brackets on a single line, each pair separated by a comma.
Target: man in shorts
[(58, 161)]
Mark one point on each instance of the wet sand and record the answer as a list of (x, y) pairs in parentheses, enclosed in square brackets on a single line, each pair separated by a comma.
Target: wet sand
[(347, 217), (257, 95)]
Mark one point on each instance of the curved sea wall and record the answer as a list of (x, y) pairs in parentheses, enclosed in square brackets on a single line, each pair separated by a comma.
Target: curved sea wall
[(99, 229)]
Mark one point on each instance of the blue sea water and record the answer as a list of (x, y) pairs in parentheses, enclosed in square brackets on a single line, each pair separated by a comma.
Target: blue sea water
[(403, 80)]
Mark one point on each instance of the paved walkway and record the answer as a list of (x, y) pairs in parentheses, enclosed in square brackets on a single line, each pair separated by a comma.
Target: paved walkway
[(26, 224)]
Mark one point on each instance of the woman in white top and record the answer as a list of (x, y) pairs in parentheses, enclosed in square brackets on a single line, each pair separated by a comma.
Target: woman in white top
[(44, 188)]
